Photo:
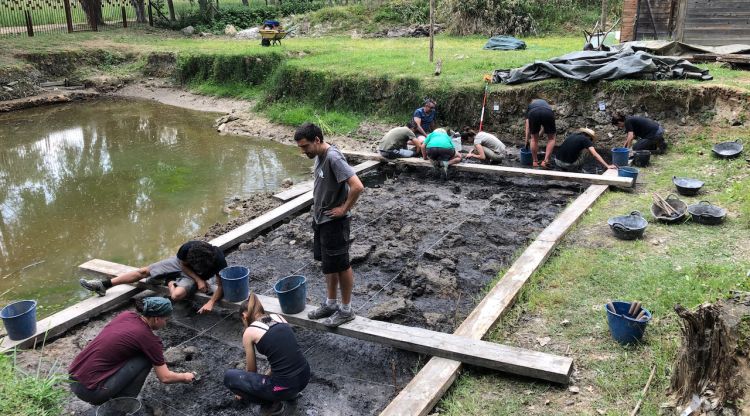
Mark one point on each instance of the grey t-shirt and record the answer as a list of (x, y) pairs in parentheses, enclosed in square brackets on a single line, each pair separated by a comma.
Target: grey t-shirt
[(330, 188), (491, 142), (396, 139)]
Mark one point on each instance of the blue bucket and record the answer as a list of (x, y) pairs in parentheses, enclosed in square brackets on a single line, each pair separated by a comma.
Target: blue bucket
[(620, 156), (292, 292), (526, 159), (235, 283), (628, 172), (19, 319), (625, 329)]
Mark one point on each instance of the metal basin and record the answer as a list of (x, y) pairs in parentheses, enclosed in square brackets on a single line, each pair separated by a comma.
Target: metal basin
[(705, 213), (628, 227), (728, 150), (687, 186)]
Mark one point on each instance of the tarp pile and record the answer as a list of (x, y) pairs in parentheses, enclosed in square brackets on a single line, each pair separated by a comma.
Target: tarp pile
[(504, 43), (590, 66)]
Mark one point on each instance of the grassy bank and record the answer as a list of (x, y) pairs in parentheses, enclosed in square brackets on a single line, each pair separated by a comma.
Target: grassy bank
[(685, 264), (29, 394)]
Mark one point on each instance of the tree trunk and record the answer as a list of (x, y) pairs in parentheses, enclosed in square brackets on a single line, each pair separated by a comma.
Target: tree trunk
[(140, 10), (712, 361), (246, 3), (93, 11), (170, 5)]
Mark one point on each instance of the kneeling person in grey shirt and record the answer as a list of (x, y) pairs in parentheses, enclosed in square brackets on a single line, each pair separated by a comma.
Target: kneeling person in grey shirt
[(395, 143)]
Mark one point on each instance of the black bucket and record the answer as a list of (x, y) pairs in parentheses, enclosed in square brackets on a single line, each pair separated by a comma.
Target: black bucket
[(120, 406), (641, 158)]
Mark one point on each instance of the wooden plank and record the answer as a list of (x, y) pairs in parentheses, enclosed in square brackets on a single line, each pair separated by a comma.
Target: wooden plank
[(306, 186), (255, 226), (472, 351), (434, 379), (294, 191), (60, 322), (509, 171)]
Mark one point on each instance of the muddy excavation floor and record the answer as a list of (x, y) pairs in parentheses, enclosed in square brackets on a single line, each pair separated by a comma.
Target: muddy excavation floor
[(422, 251)]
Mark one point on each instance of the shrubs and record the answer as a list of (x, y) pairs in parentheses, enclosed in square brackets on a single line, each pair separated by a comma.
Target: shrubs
[(403, 12)]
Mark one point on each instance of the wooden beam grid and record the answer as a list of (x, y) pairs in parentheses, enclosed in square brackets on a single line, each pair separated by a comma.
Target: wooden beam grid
[(448, 350)]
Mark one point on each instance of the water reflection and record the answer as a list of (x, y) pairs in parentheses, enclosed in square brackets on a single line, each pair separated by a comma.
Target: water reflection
[(127, 181)]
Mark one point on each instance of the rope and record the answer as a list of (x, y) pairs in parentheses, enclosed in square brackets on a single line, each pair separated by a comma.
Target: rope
[(205, 330)]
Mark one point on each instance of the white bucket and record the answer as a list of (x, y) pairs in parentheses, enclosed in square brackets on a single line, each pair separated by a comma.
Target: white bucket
[(457, 143)]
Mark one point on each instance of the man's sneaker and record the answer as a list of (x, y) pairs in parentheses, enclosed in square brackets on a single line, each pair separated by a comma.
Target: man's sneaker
[(338, 318), (275, 408), (94, 286), (323, 311)]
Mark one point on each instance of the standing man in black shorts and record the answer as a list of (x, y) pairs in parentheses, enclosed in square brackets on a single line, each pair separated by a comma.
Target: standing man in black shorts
[(335, 192), (539, 114)]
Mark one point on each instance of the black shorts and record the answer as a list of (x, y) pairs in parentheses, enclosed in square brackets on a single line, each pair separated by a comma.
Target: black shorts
[(440, 153), (331, 244), (542, 117)]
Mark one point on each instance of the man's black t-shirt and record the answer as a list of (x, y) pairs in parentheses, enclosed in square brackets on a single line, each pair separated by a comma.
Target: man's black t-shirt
[(641, 127), (571, 148), (219, 261)]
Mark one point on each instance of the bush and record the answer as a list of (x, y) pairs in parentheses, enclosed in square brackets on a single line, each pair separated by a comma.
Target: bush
[(404, 12), (243, 17)]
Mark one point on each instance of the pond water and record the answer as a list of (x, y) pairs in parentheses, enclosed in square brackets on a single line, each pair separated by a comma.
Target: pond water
[(121, 180)]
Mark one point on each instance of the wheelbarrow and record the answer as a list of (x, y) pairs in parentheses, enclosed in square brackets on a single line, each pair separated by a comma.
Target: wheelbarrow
[(273, 36)]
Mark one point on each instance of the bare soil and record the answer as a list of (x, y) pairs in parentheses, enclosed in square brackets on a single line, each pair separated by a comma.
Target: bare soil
[(423, 249)]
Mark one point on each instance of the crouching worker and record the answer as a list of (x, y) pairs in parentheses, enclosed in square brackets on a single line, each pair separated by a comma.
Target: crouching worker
[(572, 153), (274, 338), (438, 147), (118, 360), (487, 147), (394, 143), (184, 274), (649, 133)]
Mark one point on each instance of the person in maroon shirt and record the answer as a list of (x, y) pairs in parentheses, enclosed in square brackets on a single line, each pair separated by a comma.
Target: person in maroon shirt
[(117, 362)]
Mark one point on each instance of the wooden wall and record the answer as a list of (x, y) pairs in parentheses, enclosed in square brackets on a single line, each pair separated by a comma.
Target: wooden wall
[(655, 19), (717, 22), (704, 22)]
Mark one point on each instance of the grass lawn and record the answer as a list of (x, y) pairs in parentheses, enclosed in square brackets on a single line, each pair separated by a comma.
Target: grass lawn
[(685, 264), (464, 61)]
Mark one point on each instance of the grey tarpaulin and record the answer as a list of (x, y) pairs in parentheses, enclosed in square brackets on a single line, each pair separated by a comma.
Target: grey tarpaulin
[(671, 48), (504, 43), (589, 66)]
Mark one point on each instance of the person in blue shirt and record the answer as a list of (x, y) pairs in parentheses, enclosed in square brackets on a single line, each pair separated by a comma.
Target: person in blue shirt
[(424, 117)]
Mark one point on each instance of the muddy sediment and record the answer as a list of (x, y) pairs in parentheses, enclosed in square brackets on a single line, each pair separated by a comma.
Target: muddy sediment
[(422, 251)]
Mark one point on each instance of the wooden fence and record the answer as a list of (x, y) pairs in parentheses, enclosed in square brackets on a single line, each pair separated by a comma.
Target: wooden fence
[(29, 17)]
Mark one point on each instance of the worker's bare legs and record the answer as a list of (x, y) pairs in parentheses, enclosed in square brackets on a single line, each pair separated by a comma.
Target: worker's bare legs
[(534, 149), (176, 292), (550, 148), (131, 277)]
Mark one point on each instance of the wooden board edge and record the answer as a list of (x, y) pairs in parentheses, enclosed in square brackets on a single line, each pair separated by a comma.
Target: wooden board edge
[(56, 324)]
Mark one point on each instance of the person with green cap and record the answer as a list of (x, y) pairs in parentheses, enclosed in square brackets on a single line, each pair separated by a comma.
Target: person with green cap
[(117, 362)]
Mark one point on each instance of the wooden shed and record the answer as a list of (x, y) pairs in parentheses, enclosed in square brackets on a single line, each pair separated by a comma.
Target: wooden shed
[(703, 22)]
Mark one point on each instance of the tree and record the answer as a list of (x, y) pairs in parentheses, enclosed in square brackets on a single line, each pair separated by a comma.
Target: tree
[(140, 10), (93, 11)]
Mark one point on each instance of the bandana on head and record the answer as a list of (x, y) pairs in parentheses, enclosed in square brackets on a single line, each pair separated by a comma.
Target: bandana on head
[(156, 306)]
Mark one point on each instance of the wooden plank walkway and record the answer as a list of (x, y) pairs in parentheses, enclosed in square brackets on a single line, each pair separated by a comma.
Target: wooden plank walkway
[(471, 351), (431, 383), (612, 180), (255, 226), (306, 186)]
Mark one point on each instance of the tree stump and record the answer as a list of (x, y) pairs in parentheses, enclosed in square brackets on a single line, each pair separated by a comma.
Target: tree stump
[(712, 362)]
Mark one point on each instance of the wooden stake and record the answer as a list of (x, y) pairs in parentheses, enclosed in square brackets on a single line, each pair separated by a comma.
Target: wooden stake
[(439, 67), (432, 29), (643, 394)]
